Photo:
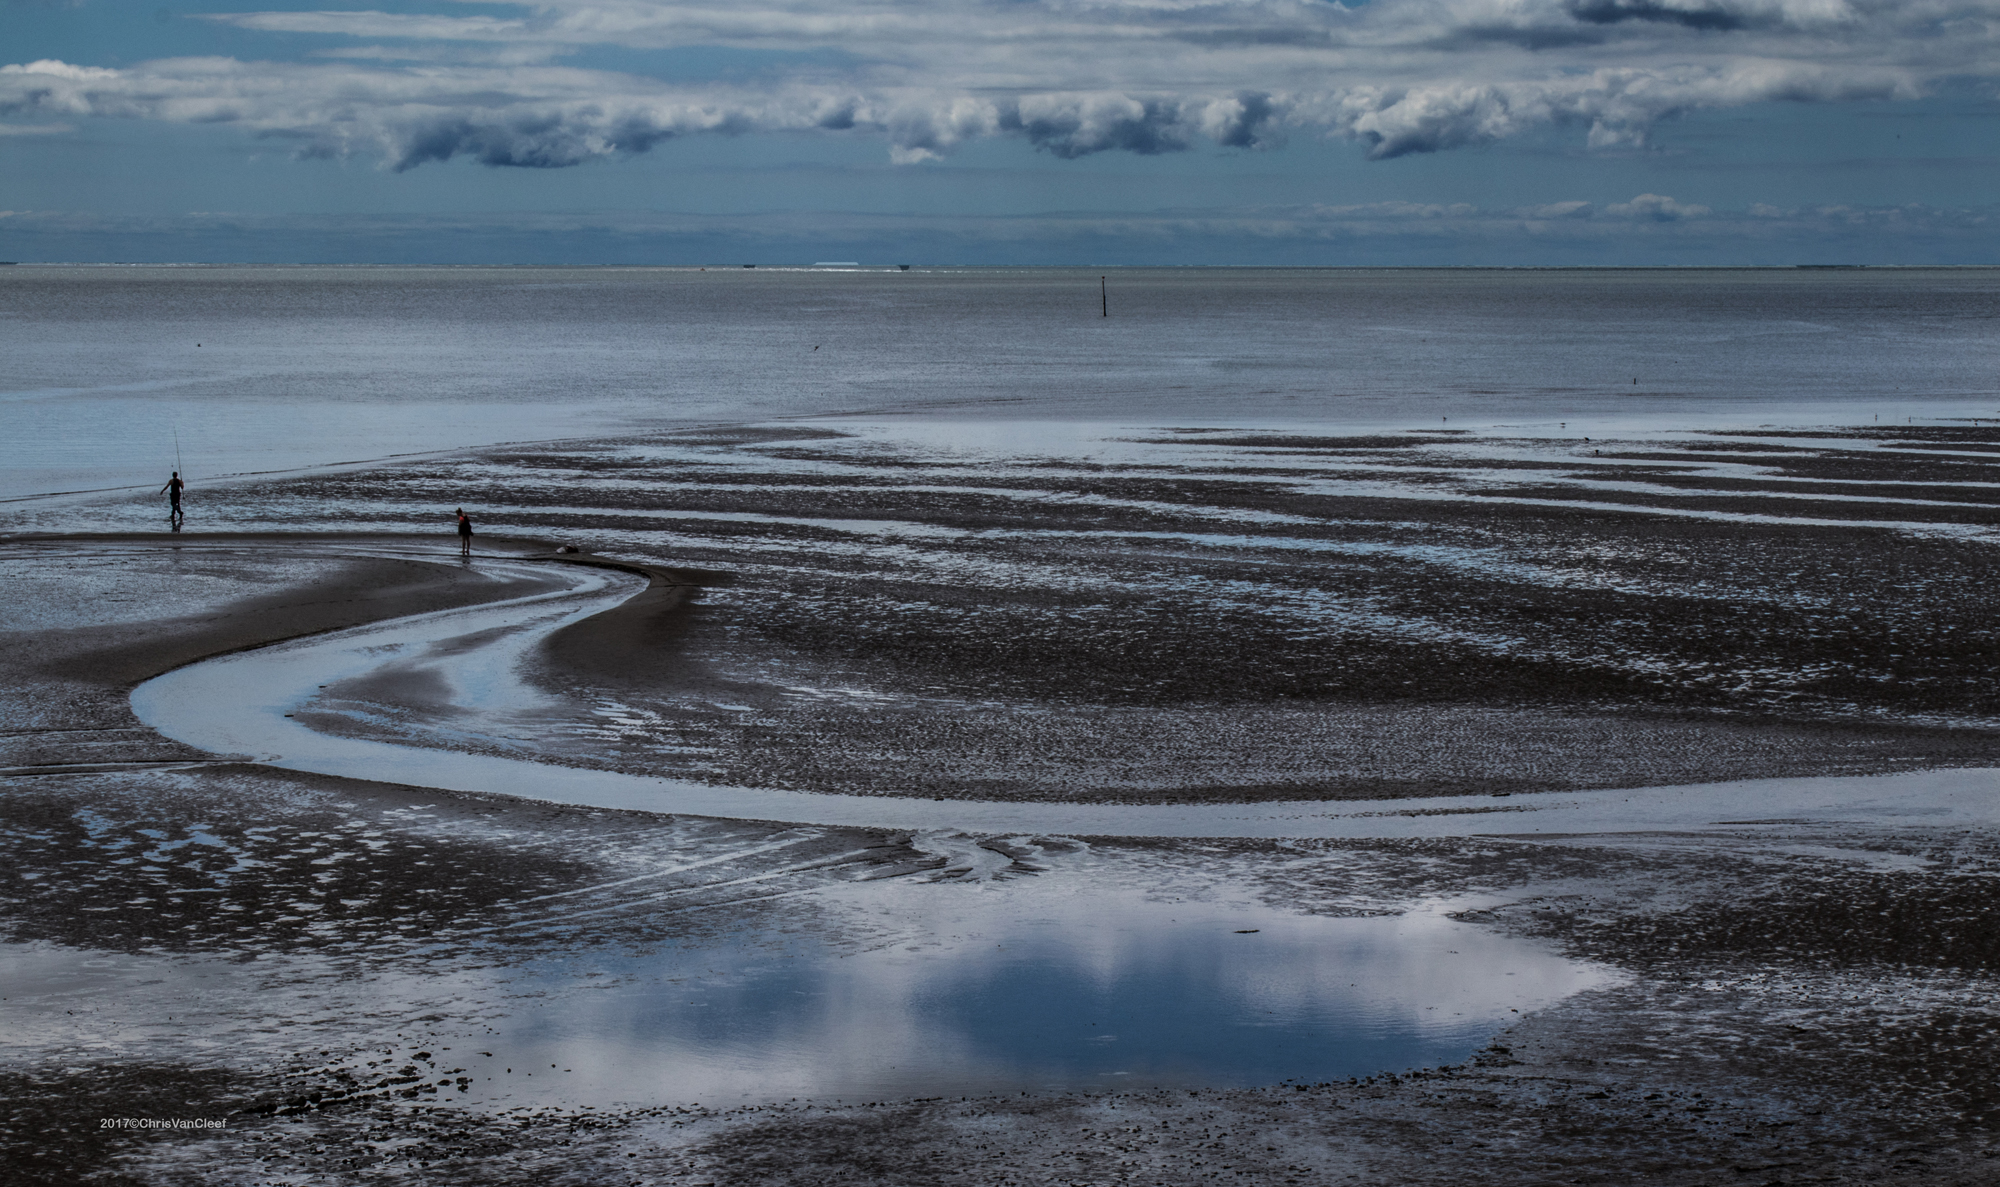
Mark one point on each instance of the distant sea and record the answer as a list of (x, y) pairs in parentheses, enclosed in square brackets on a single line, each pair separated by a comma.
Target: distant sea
[(108, 374)]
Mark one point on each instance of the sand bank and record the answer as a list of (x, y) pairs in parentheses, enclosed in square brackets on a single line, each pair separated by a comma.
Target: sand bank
[(326, 609), (469, 659), (1823, 988), (89, 617)]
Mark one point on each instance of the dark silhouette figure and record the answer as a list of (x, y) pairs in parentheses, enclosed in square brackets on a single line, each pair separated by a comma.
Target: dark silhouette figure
[(173, 490), (464, 533)]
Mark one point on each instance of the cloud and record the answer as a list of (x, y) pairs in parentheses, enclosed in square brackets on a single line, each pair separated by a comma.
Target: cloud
[(1553, 210), (1700, 15), (50, 68), (1656, 208), (1072, 77), (485, 55)]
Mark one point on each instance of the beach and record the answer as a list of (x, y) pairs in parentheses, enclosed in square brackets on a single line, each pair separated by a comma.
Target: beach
[(1329, 734), (1135, 617), (1803, 996)]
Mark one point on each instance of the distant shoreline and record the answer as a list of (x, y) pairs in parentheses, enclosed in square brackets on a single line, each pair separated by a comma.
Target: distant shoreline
[(728, 268)]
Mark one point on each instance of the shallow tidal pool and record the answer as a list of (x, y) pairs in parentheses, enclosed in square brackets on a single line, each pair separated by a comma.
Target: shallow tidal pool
[(1002, 988)]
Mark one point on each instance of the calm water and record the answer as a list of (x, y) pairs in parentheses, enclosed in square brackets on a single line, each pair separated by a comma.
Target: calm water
[(1064, 984), (1075, 979), (263, 368)]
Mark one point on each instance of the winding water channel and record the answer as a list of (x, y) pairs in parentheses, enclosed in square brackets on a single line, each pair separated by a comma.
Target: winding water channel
[(244, 703)]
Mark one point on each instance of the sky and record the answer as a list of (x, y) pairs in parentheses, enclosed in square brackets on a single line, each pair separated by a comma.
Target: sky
[(1457, 132)]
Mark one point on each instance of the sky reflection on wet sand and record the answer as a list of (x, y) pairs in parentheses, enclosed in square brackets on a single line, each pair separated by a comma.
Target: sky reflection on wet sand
[(1073, 979), (1063, 984)]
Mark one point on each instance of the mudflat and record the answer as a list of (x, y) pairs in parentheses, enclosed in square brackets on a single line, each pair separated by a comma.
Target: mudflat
[(315, 962)]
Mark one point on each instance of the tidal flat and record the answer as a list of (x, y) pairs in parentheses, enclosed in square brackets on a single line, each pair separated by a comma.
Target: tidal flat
[(1400, 624)]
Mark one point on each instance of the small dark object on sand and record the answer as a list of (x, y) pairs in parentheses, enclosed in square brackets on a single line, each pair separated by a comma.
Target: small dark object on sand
[(567, 548)]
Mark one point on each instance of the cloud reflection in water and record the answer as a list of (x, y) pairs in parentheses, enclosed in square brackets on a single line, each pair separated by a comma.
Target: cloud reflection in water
[(1049, 984)]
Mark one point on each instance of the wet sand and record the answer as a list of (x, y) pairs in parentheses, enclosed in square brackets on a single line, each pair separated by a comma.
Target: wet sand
[(1804, 1002), (1813, 1005), (1220, 616)]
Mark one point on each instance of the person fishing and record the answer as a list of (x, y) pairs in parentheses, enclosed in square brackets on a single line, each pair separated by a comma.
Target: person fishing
[(173, 490), (464, 533)]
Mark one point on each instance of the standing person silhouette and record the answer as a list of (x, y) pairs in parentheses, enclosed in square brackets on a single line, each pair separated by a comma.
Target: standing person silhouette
[(173, 490), (464, 533)]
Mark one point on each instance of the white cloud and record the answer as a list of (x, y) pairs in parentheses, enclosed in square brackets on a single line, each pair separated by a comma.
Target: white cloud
[(1656, 208), (1555, 210), (478, 55), (50, 68), (1071, 76)]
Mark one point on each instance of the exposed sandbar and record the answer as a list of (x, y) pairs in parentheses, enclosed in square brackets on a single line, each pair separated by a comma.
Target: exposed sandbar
[(138, 605), (1807, 1002)]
